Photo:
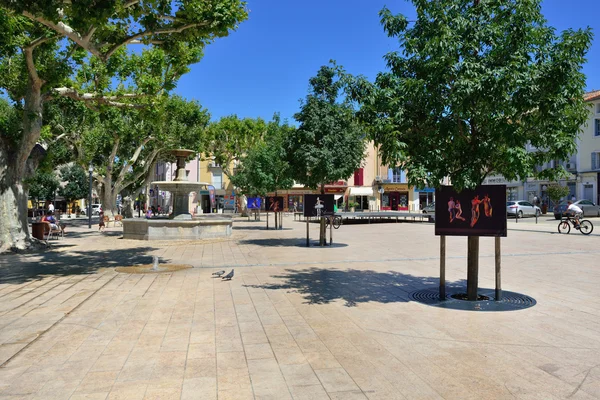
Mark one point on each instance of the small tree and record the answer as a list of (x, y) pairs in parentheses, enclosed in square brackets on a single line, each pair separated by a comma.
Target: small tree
[(229, 139), (557, 192), (264, 168), (476, 83), (77, 185), (329, 145)]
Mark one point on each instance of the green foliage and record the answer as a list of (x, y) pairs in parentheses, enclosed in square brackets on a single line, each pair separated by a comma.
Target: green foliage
[(42, 185), (95, 57), (10, 122), (76, 183), (557, 192), (352, 204), (475, 86), (230, 138), (122, 143), (329, 145), (264, 168)]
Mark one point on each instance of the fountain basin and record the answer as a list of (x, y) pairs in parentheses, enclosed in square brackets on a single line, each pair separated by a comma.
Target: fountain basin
[(206, 227)]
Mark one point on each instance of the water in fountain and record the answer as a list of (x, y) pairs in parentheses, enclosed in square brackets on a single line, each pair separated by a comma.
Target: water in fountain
[(155, 263)]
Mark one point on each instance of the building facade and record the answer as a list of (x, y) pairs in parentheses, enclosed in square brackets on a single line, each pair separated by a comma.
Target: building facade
[(583, 167)]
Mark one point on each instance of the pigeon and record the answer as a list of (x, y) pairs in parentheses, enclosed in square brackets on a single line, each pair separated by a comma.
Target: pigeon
[(218, 273), (228, 276)]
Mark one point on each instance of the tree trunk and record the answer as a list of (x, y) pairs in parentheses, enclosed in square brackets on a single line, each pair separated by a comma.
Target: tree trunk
[(108, 196), (322, 228), (472, 267), (14, 230)]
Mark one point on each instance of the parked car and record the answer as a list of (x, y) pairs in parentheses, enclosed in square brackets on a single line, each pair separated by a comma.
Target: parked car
[(589, 209), (429, 208), (96, 208), (521, 208)]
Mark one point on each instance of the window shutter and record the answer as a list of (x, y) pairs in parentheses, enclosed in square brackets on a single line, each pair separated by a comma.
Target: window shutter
[(358, 177), (594, 159)]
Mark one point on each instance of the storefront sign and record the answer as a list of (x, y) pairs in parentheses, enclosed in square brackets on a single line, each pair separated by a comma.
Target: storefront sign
[(478, 212), (395, 187)]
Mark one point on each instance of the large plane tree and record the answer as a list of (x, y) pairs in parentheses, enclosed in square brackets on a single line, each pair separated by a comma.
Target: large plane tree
[(112, 53), (475, 83)]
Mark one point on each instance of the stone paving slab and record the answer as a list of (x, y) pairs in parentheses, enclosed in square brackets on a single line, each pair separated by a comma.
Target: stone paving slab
[(297, 322)]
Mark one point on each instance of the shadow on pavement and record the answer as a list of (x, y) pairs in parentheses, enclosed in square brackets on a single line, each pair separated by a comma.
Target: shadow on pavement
[(15, 270), (323, 286), (258, 228), (288, 242)]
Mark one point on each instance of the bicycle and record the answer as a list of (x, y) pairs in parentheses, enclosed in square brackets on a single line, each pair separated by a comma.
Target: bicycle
[(337, 221), (585, 226)]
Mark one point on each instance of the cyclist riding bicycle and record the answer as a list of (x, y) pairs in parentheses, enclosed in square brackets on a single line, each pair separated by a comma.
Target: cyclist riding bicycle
[(576, 211)]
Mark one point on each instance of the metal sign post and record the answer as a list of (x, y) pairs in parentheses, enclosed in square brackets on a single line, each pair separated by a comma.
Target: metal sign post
[(442, 267), (498, 264), (307, 233)]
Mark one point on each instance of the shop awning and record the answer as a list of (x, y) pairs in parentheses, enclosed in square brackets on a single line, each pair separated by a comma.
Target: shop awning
[(359, 191), (336, 196)]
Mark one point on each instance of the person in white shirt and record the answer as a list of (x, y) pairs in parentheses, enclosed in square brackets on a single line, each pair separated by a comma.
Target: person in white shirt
[(576, 211), (51, 208)]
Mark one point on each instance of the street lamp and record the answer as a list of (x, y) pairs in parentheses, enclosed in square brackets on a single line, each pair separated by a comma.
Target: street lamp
[(90, 169)]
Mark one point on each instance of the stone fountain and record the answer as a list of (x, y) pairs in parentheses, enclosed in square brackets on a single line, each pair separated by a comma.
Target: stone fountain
[(180, 225)]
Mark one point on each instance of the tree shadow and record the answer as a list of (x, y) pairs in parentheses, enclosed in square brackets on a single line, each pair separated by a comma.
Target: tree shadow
[(323, 286), (258, 228), (288, 242), (15, 269)]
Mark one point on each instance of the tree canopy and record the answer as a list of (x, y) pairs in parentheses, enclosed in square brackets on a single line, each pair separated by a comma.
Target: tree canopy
[(230, 138), (329, 144), (264, 168), (76, 183), (123, 144), (477, 88)]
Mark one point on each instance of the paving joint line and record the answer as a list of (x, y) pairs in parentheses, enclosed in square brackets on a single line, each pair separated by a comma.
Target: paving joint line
[(5, 363)]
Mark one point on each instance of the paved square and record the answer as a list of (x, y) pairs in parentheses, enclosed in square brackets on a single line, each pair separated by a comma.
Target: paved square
[(297, 322)]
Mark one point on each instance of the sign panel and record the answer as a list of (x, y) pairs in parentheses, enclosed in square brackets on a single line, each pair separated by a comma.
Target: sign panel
[(478, 212), (316, 205), (254, 203), (275, 203)]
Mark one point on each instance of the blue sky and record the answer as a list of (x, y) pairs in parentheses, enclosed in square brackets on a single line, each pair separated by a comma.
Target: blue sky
[(265, 65)]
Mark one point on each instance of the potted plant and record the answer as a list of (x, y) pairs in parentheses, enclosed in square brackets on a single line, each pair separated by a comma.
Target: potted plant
[(352, 205)]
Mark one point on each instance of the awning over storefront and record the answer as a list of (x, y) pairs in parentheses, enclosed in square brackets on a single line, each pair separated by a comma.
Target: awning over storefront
[(336, 196), (359, 191)]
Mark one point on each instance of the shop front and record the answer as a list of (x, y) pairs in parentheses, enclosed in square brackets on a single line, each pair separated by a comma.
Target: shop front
[(424, 197), (361, 195), (294, 198), (395, 197)]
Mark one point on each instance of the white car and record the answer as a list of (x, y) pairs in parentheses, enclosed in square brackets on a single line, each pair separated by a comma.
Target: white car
[(96, 208), (522, 208)]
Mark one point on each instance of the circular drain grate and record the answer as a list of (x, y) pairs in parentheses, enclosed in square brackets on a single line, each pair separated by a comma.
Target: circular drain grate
[(510, 300)]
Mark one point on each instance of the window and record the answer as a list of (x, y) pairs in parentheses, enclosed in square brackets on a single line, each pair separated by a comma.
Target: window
[(398, 175), (217, 180), (358, 177), (512, 193), (597, 127), (597, 108), (595, 160)]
